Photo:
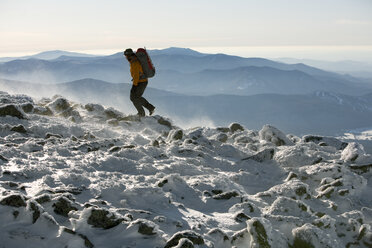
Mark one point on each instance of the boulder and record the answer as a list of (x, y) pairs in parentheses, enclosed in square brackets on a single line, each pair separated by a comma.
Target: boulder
[(63, 206), (35, 209), (87, 242), (325, 141), (223, 129), (94, 107), (185, 243), (60, 104), (163, 182), (354, 153), (114, 149), (102, 218), (113, 122), (226, 195), (359, 169), (44, 198), (19, 129), (244, 140), (222, 137), (218, 235), (14, 200), (11, 110), (113, 113), (164, 122), (155, 143), (3, 158), (145, 227), (27, 108), (71, 114), (259, 237), (240, 238), (175, 135), (274, 135), (264, 155), (241, 217), (43, 111), (52, 135), (195, 238), (309, 236), (234, 127)]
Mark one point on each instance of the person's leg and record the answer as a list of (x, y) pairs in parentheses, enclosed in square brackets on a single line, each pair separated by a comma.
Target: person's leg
[(139, 100), (135, 96), (144, 101)]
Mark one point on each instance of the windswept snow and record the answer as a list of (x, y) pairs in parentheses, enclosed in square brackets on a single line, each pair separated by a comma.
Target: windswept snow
[(75, 175)]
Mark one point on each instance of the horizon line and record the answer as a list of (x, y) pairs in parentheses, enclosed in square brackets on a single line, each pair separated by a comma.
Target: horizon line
[(242, 51)]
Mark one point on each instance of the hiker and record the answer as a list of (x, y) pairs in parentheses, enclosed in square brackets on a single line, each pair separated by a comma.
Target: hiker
[(139, 84)]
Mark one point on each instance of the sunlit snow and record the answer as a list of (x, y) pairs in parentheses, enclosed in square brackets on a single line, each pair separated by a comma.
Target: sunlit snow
[(74, 175)]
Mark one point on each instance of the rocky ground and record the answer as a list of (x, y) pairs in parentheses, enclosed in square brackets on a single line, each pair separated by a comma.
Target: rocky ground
[(75, 175)]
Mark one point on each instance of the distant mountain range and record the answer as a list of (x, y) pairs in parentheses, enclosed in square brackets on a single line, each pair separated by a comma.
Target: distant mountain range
[(48, 55), (354, 68), (186, 71), (253, 80), (319, 113)]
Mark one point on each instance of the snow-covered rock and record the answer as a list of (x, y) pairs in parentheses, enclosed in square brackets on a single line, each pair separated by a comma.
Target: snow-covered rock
[(355, 153), (75, 175), (325, 141), (274, 135)]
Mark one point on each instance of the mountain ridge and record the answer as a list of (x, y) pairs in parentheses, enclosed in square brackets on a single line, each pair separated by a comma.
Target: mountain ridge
[(114, 69), (47, 55)]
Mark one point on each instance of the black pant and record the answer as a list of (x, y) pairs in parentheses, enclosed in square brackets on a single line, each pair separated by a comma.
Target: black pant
[(138, 101)]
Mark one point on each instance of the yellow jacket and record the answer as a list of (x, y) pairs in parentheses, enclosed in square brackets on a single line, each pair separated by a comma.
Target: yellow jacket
[(137, 72)]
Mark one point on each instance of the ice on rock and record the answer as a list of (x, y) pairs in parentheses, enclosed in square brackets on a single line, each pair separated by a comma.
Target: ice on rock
[(354, 153), (112, 113), (222, 137), (75, 175), (94, 107), (263, 235), (311, 236), (62, 107), (18, 99), (262, 156), (185, 243), (304, 154), (285, 206), (274, 135), (175, 135), (219, 237), (41, 110), (325, 141), (60, 104)]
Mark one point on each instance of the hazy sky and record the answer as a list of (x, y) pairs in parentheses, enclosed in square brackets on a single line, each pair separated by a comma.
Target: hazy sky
[(327, 29)]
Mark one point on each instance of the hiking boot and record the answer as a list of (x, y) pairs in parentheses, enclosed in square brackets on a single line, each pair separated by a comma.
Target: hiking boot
[(152, 111)]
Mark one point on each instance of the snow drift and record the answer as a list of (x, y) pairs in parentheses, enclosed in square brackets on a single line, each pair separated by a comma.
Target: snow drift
[(74, 175)]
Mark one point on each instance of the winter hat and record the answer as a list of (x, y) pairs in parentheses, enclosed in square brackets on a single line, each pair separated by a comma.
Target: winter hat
[(128, 52)]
